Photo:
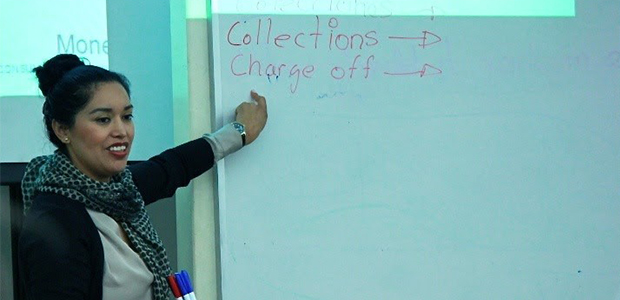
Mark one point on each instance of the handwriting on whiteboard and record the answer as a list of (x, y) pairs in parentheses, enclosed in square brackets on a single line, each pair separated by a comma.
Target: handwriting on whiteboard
[(324, 35)]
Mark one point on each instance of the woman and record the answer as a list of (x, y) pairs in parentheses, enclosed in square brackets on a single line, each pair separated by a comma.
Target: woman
[(86, 233)]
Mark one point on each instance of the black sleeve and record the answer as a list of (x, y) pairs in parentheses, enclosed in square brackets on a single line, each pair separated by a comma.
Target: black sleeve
[(56, 257), (160, 176)]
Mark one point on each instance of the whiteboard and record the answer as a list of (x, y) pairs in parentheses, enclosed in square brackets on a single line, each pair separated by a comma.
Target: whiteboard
[(435, 157)]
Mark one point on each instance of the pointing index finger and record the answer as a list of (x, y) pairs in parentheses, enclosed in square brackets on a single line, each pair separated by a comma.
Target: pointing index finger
[(260, 100)]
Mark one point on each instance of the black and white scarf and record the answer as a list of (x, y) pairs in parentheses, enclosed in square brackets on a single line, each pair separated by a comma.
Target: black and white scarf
[(119, 199)]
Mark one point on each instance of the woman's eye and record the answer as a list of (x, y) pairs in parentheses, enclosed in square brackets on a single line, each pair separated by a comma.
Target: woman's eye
[(103, 120), (128, 117)]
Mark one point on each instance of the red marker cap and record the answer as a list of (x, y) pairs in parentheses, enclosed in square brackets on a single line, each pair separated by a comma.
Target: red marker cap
[(174, 286)]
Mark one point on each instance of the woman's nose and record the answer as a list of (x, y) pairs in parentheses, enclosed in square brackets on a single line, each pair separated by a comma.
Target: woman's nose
[(119, 128)]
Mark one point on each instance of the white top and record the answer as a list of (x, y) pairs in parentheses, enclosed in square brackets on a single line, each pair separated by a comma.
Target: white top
[(125, 276)]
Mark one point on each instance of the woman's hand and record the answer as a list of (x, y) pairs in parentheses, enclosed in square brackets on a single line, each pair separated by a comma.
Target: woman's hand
[(253, 115)]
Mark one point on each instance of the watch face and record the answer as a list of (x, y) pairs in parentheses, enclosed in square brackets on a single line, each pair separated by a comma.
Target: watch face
[(239, 127)]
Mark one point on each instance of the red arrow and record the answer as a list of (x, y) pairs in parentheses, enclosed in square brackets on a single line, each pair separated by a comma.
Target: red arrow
[(424, 72), (434, 38)]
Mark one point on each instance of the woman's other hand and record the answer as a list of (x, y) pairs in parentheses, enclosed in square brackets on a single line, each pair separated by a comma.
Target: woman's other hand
[(253, 115)]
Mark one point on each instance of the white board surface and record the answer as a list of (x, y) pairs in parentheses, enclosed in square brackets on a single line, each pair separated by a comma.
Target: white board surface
[(456, 158)]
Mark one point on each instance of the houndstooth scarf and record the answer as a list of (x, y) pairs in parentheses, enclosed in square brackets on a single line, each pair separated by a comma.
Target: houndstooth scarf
[(119, 199)]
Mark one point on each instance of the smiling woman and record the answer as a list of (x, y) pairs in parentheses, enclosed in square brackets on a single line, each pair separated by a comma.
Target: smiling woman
[(86, 233), (87, 112), (100, 140)]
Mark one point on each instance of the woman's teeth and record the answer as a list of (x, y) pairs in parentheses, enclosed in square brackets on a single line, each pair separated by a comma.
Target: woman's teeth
[(118, 148)]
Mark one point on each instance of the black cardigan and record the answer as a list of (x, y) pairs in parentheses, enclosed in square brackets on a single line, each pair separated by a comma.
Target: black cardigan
[(60, 255)]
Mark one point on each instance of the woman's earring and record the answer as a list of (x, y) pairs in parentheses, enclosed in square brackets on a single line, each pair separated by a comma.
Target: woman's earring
[(66, 140)]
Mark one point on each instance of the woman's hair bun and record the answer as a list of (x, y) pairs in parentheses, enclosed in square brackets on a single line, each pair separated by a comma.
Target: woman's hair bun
[(50, 73)]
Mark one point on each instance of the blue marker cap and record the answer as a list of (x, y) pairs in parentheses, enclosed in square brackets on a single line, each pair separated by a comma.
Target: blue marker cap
[(188, 281), (181, 283)]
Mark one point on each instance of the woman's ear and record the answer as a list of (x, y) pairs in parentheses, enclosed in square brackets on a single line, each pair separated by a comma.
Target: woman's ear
[(61, 131)]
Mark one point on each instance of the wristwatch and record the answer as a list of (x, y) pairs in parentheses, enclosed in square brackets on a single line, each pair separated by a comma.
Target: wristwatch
[(241, 129)]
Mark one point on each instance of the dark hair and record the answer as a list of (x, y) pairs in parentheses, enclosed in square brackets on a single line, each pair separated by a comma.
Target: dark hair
[(68, 85)]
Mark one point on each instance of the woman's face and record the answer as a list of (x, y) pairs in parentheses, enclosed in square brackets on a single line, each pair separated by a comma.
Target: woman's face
[(100, 141)]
